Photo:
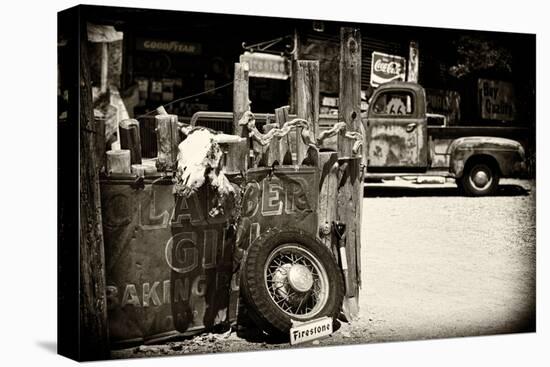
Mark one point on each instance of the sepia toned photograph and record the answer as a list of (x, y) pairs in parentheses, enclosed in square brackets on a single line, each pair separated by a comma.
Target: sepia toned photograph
[(234, 183)]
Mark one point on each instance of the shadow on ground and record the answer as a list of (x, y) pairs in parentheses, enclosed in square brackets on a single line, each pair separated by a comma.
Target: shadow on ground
[(399, 191), (50, 346), (251, 333)]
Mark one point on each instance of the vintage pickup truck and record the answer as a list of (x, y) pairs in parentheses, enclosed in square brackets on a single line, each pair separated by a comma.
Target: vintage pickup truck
[(404, 140)]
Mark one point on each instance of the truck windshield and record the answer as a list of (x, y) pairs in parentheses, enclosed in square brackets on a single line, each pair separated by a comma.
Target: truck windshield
[(394, 103)]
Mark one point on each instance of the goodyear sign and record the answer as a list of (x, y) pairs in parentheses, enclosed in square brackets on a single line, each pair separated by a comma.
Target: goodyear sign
[(172, 46)]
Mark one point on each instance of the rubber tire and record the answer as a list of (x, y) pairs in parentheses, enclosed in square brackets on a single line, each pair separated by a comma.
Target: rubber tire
[(263, 311), (469, 189)]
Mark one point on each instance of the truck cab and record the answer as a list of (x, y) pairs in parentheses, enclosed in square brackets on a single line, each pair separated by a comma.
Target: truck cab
[(400, 142)]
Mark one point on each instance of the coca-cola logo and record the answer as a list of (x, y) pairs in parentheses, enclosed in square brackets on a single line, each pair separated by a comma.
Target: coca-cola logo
[(388, 67)]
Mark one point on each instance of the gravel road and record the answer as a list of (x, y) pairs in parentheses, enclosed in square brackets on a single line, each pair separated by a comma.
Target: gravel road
[(435, 264)]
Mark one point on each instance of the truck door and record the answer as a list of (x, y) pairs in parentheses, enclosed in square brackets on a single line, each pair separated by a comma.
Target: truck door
[(396, 130)]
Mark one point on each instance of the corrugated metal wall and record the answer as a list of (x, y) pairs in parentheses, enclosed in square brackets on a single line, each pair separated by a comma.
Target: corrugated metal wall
[(369, 45), (332, 42)]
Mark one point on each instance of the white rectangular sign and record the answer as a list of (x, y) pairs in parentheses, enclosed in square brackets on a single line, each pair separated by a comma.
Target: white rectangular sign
[(310, 330), (386, 68), (267, 66)]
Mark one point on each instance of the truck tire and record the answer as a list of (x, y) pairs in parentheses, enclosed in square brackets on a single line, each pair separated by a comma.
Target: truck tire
[(479, 179), (289, 275)]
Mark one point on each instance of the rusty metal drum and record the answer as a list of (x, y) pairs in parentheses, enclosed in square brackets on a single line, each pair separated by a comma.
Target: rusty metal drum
[(168, 263)]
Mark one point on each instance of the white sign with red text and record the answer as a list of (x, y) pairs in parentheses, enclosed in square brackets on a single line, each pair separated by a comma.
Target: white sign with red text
[(386, 68)]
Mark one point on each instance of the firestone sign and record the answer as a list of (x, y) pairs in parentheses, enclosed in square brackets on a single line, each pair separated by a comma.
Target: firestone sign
[(386, 68), (496, 100)]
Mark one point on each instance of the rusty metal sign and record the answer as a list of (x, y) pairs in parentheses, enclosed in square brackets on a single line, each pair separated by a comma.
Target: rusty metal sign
[(168, 264), (444, 102), (262, 65), (496, 100), (282, 198)]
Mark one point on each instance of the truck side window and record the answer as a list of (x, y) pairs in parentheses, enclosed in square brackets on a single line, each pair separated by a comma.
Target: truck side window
[(394, 103)]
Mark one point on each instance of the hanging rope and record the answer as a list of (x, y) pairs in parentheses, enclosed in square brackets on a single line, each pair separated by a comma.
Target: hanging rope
[(187, 97)]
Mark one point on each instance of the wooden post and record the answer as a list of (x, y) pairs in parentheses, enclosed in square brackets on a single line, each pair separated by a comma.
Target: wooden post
[(236, 154), (350, 86), (328, 183), (93, 329), (129, 139), (281, 116), (307, 102), (241, 102), (104, 67), (161, 110), (414, 56), (273, 151), (168, 139), (143, 170), (119, 161), (293, 57), (350, 177), (101, 147)]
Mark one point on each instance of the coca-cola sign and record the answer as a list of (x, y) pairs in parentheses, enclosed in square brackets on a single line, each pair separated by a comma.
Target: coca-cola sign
[(386, 68)]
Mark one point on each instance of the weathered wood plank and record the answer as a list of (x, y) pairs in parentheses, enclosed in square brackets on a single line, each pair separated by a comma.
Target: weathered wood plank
[(412, 70), (350, 86), (93, 329), (328, 191), (236, 154), (281, 116), (118, 161), (273, 151), (101, 144), (350, 177), (168, 139), (241, 101), (307, 103)]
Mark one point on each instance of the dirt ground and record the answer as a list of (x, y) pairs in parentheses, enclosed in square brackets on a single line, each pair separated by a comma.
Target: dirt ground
[(435, 264)]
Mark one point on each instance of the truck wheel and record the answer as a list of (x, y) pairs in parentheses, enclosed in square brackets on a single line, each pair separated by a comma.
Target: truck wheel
[(289, 275), (479, 179)]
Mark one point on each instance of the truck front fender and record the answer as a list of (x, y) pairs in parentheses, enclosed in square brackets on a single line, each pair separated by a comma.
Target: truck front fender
[(508, 154)]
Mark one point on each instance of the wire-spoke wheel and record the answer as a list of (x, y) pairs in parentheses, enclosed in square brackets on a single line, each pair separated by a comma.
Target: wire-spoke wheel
[(289, 275), (296, 281)]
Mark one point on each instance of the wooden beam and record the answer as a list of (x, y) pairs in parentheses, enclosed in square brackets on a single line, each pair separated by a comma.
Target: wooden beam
[(104, 82), (241, 102), (168, 139), (119, 161), (93, 328), (273, 152), (350, 86), (101, 144), (286, 147), (350, 176), (328, 183), (293, 57), (236, 154), (307, 102), (414, 60)]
